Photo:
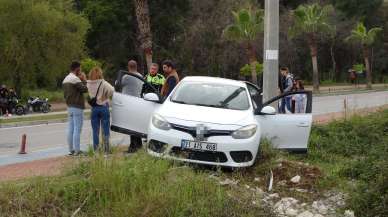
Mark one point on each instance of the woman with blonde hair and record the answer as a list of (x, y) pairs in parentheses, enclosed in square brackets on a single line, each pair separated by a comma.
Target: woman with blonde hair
[(99, 93)]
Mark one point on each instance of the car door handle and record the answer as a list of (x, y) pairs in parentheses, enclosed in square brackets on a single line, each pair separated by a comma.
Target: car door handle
[(303, 124)]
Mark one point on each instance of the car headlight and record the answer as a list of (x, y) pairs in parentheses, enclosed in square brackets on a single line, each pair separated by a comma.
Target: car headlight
[(245, 132), (160, 123)]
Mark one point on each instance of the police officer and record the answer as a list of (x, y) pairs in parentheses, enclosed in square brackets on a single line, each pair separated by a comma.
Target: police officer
[(154, 78)]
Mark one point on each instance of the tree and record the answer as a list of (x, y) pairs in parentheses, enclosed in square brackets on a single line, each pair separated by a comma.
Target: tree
[(39, 39), (366, 39), (143, 22), (358, 9), (310, 21), (248, 23)]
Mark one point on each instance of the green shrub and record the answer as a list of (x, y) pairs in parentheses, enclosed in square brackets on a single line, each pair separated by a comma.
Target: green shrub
[(246, 69), (357, 151), (52, 95), (88, 63)]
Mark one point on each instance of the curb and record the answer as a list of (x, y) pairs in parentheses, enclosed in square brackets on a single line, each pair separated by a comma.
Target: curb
[(32, 123)]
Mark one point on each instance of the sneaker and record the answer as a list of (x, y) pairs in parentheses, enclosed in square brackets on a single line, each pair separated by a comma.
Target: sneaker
[(71, 153)]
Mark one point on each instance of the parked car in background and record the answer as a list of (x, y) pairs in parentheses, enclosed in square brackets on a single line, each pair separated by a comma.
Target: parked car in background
[(211, 121)]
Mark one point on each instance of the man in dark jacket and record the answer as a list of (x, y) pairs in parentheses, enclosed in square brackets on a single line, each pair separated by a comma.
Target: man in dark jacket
[(74, 87)]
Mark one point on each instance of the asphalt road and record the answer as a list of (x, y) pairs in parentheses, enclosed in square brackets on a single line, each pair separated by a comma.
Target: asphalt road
[(49, 140)]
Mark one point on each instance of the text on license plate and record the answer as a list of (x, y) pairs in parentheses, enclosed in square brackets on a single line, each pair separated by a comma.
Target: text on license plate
[(204, 146)]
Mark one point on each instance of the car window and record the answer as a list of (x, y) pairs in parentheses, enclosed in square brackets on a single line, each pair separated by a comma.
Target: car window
[(130, 84), (255, 95), (292, 104), (212, 95)]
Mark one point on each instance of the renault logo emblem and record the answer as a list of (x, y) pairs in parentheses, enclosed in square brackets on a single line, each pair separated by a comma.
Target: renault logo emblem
[(200, 132)]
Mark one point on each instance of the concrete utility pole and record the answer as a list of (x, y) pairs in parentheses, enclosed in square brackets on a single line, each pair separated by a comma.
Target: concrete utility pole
[(271, 50)]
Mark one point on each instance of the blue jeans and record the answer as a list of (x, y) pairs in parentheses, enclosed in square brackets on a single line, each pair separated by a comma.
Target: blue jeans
[(100, 118), (75, 118), (285, 103)]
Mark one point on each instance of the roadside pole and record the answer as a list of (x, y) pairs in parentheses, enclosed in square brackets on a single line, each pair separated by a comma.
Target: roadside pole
[(271, 50)]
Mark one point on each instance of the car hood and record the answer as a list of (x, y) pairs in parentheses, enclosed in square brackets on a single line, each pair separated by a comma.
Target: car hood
[(173, 111)]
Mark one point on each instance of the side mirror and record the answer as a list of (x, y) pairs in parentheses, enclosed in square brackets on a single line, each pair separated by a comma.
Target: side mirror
[(153, 97), (268, 110)]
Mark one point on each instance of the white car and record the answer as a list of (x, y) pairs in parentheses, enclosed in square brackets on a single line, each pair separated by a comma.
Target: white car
[(212, 121)]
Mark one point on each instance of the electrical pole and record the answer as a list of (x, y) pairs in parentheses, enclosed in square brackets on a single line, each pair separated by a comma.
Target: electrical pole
[(271, 50)]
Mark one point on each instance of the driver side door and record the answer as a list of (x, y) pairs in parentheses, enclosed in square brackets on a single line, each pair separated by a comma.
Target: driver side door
[(131, 113), (289, 130)]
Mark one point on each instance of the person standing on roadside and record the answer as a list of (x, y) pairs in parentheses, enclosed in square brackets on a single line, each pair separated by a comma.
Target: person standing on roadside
[(132, 86), (172, 78), (153, 78), (287, 84), (74, 87), (100, 117)]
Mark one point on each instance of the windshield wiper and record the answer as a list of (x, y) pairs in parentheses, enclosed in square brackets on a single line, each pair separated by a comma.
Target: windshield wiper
[(177, 101), (207, 105), (232, 96)]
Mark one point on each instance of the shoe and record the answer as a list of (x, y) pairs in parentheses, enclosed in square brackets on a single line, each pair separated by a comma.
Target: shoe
[(71, 153)]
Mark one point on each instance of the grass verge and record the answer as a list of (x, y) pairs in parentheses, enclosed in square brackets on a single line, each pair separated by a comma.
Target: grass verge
[(121, 186), (354, 157), (44, 117)]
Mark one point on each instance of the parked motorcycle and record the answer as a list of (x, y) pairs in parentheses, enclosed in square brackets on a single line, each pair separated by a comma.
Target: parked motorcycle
[(15, 106), (35, 104)]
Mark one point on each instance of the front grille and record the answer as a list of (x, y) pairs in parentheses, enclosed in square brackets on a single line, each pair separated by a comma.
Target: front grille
[(193, 131), (199, 155), (241, 156)]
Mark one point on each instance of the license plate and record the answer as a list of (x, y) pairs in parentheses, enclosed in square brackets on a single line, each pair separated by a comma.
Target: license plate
[(202, 146)]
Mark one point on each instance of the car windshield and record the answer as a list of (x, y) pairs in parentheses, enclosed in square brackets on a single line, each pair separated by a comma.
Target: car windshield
[(212, 95)]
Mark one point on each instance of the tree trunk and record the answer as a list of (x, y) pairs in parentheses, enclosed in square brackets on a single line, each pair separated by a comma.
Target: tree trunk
[(252, 62), (313, 51), (367, 68), (334, 63), (143, 22)]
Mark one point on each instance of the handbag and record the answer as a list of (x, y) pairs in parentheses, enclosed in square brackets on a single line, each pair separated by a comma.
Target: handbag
[(93, 101)]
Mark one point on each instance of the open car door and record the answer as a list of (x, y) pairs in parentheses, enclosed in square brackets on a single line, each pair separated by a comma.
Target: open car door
[(288, 126), (131, 111)]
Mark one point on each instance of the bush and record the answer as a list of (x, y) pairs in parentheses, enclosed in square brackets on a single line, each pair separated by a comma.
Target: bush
[(246, 69), (88, 63), (358, 150), (52, 95)]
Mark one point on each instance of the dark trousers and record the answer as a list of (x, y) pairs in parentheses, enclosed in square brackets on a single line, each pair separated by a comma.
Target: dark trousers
[(285, 103), (136, 143)]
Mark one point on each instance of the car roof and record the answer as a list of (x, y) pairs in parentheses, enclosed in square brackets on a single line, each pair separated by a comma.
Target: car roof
[(216, 80)]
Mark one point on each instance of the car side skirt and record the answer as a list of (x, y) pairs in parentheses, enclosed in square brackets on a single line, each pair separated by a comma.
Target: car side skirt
[(126, 131)]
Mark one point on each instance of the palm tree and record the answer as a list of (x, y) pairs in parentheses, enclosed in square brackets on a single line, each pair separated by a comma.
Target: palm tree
[(366, 38), (143, 22), (248, 23), (310, 21)]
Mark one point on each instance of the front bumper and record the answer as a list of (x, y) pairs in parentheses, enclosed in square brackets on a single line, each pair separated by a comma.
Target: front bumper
[(230, 152)]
